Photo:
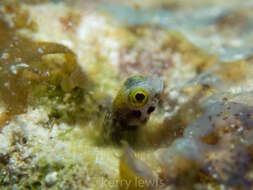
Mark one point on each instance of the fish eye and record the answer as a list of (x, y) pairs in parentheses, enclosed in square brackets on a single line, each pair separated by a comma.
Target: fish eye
[(138, 98)]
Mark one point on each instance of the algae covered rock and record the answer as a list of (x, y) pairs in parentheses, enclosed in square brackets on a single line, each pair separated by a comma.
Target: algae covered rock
[(59, 95), (218, 143), (30, 69)]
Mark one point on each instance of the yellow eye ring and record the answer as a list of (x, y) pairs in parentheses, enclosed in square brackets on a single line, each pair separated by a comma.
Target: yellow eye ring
[(138, 98)]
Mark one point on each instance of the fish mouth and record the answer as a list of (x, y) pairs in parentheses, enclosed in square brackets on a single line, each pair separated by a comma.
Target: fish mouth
[(138, 122)]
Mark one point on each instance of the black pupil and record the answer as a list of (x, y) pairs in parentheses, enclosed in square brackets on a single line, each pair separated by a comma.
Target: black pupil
[(151, 109), (136, 113), (139, 97)]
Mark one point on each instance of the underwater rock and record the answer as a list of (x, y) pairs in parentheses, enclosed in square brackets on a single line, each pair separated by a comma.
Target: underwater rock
[(235, 21), (228, 163), (219, 143), (180, 163), (225, 126), (47, 153), (221, 118), (218, 27), (155, 51), (34, 69)]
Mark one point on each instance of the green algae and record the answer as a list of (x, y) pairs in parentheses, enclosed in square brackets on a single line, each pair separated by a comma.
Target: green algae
[(36, 69)]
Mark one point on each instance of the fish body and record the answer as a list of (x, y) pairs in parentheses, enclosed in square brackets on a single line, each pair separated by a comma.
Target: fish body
[(135, 101)]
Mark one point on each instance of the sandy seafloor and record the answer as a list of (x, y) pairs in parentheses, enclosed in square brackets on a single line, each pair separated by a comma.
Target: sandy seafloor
[(202, 50)]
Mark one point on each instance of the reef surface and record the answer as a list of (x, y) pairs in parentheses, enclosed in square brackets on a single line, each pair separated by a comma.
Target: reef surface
[(62, 63)]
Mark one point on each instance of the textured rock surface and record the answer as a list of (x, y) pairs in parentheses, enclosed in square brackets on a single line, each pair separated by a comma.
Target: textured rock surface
[(57, 84)]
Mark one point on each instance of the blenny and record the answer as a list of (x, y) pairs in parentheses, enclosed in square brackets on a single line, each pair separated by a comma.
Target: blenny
[(135, 101)]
